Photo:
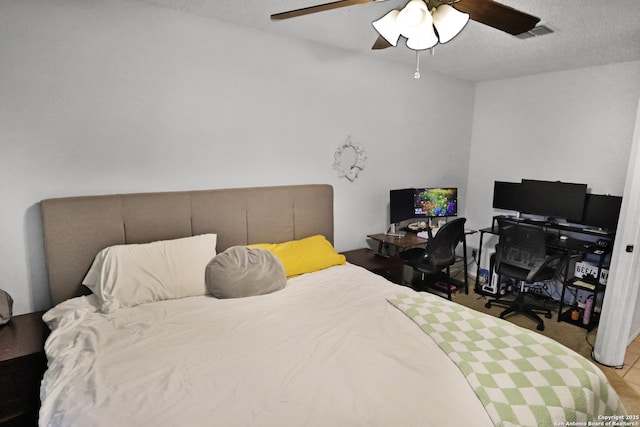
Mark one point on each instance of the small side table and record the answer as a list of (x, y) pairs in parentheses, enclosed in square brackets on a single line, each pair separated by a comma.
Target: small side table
[(389, 268), (22, 364)]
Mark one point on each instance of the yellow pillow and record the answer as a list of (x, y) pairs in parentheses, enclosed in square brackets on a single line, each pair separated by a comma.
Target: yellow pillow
[(304, 255)]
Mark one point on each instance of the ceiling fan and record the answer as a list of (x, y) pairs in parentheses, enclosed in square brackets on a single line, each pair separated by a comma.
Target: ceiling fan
[(488, 12)]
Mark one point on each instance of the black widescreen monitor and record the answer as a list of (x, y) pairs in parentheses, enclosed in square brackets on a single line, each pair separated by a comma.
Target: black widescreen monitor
[(553, 199), (601, 211), (507, 196)]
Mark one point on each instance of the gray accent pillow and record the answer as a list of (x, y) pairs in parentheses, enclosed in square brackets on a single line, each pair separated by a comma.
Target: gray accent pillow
[(241, 271)]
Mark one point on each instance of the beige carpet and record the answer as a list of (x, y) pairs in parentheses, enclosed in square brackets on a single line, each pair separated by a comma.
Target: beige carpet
[(572, 336)]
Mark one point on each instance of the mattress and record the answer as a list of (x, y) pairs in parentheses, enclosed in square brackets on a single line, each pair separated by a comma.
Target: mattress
[(327, 350)]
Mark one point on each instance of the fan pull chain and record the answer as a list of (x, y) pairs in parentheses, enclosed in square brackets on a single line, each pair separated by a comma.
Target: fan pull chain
[(416, 75)]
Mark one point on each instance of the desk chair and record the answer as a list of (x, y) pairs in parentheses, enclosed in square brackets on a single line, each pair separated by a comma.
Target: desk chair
[(521, 255), (435, 261)]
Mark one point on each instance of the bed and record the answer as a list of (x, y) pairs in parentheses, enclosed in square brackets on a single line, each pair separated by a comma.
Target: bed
[(335, 345)]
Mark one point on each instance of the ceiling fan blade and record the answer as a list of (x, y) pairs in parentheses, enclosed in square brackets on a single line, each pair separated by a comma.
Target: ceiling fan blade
[(497, 15), (318, 8), (381, 43)]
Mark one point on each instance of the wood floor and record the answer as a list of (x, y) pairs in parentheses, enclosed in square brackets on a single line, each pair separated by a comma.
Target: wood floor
[(631, 370)]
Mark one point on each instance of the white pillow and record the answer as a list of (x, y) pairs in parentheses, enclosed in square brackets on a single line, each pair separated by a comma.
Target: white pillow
[(129, 275)]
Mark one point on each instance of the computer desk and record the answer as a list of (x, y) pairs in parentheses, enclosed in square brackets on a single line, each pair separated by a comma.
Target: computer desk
[(399, 244), (572, 247), (411, 240)]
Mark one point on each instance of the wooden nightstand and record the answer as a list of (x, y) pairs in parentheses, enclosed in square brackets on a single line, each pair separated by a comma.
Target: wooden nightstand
[(389, 268), (22, 364)]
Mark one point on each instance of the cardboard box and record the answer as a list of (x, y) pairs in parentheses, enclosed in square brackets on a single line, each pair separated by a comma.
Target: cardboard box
[(585, 268)]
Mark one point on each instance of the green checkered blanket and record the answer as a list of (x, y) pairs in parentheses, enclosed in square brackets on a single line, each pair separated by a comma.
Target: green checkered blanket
[(521, 377)]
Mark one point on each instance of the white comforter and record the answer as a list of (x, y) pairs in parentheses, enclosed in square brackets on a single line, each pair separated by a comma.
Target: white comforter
[(327, 351)]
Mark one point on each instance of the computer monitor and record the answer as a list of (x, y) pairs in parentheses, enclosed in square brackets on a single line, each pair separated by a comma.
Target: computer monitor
[(553, 199), (401, 205), (601, 211), (435, 202), (507, 196)]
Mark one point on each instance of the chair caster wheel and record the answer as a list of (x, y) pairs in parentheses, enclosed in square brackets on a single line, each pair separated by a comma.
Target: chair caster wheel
[(548, 315), (540, 327), (488, 305)]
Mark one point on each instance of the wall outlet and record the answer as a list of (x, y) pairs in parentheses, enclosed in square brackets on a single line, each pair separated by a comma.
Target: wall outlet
[(474, 253)]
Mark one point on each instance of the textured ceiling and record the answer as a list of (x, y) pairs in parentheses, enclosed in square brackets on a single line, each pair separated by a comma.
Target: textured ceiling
[(586, 33)]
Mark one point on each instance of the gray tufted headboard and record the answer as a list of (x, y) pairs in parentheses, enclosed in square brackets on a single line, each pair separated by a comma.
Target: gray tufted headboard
[(77, 228)]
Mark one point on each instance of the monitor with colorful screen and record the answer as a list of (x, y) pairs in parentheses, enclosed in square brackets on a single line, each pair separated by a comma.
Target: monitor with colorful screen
[(435, 202)]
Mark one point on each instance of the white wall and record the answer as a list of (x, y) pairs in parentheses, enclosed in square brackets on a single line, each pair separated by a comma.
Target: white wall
[(120, 96), (572, 126)]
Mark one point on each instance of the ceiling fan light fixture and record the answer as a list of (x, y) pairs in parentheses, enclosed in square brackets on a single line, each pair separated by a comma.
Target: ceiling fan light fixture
[(423, 41), (414, 19), (387, 27), (412, 12), (449, 22)]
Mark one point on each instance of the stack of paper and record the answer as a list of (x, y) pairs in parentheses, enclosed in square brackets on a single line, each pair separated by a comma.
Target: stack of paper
[(423, 235)]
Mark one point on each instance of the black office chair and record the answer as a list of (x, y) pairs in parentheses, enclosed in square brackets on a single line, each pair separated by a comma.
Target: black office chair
[(521, 255), (435, 261)]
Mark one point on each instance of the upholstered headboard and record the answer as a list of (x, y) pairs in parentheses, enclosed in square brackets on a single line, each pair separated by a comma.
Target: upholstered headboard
[(77, 228)]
